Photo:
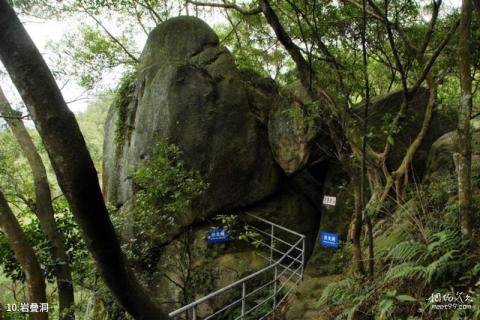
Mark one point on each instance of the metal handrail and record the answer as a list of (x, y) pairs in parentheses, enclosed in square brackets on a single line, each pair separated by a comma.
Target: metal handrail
[(273, 266), (276, 250), (276, 225), (276, 238), (234, 284)]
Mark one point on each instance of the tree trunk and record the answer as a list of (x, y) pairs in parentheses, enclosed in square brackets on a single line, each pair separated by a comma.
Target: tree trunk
[(44, 210), (363, 176), (464, 115), (2, 309), (25, 256), (72, 163), (356, 226)]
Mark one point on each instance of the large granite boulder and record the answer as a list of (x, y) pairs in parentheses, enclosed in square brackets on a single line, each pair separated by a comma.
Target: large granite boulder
[(291, 128), (381, 114), (441, 160), (218, 265), (337, 183), (188, 92)]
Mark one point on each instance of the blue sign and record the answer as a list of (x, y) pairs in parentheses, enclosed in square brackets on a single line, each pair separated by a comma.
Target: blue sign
[(217, 236), (329, 239)]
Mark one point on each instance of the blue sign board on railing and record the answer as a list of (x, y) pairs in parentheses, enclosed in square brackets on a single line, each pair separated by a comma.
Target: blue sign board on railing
[(218, 235), (329, 239)]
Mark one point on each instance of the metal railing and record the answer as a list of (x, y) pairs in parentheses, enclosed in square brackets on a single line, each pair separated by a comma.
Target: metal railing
[(257, 295)]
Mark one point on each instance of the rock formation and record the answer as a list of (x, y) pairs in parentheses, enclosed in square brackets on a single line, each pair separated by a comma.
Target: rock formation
[(442, 163), (189, 92), (237, 130)]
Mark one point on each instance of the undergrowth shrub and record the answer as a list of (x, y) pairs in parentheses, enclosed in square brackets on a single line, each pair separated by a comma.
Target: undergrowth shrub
[(419, 251), (165, 189)]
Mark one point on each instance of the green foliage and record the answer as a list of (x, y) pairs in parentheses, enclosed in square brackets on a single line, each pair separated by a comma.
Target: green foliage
[(16, 182), (426, 261), (92, 123), (12, 315), (387, 306), (238, 229), (192, 264), (165, 185), (31, 6), (342, 292), (429, 256), (165, 190), (248, 42), (423, 250), (15, 174), (331, 261), (74, 245), (121, 101), (438, 192), (90, 53)]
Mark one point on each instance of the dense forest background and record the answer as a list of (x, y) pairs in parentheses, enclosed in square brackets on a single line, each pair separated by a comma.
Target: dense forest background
[(376, 101)]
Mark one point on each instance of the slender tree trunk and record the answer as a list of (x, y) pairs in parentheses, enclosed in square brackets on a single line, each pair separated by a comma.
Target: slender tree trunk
[(371, 253), (72, 163), (44, 210), (464, 115), (25, 256), (363, 193), (356, 226)]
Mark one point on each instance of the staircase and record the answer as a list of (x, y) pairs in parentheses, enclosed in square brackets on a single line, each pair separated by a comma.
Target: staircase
[(258, 295)]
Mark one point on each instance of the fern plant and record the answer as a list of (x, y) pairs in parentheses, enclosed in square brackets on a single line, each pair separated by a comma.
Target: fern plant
[(426, 262), (419, 251)]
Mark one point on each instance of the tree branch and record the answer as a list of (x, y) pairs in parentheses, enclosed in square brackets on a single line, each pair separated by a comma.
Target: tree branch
[(378, 15), (43, 209), (303, 67), (429, 33), (321, 45), (114, 39), (436, 53), (227, 5), (25, 256), (394, 50), (154, 14)]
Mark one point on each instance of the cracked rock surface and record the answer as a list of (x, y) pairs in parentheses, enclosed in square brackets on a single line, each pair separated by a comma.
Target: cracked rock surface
[(190, 93)]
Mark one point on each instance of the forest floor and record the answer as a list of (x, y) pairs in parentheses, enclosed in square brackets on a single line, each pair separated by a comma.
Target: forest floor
[(303, 302)]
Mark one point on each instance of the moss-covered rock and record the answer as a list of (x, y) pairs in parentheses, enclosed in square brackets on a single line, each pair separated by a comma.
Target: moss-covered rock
[(440, 158), (189, 93), (381, 114), (291, 128)]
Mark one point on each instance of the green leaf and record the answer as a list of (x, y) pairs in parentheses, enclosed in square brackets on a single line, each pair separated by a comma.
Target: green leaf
[(405, 298), (390, 140), (385, 306)]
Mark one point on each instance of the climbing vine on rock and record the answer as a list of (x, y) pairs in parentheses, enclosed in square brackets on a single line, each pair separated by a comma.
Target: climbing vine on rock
[(123, 96)]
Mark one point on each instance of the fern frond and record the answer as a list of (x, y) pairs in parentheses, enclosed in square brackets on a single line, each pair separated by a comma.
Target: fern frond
[(339, 292), (407, 271), (441, 265), (408, 251)]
